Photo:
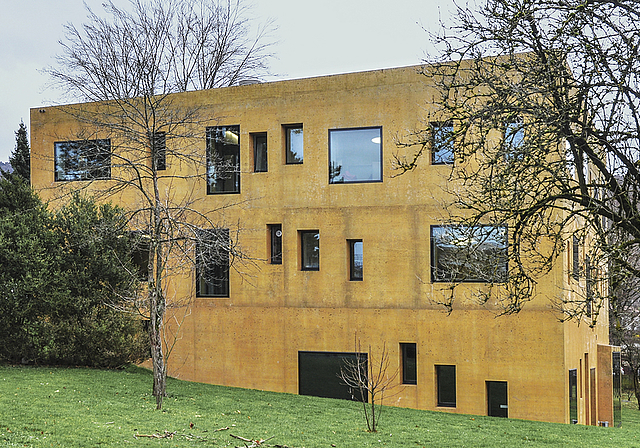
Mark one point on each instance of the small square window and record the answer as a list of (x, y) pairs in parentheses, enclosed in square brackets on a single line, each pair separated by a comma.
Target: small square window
[(275, 243), (259, 152), (443, 143), (446, 380), (294, 143), (409, 363), (355, 260), (310, 250)]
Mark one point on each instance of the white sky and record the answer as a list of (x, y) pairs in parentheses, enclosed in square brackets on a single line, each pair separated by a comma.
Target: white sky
[(314, 38)]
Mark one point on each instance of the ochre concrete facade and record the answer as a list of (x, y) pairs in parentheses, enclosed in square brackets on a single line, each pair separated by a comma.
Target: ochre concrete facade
[(273, 312)]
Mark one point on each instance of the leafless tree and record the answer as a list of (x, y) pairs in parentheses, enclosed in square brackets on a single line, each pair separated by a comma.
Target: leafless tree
[(127, 69), (369, 380), (544, 101)]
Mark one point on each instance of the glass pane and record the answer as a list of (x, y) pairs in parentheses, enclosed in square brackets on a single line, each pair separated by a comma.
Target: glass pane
[(409, 364), (355, 155), (82, 160), (446, 385), (212, 263), (472, 254), (514, 134), (573, 396), (276, 243), (310, 250), (159, 150), (356, 260), (223, 159), (443, 146), (319, 374), (294, 145), (260, 152)]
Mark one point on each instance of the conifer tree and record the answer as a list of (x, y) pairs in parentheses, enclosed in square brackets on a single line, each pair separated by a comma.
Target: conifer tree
[(20, 159)]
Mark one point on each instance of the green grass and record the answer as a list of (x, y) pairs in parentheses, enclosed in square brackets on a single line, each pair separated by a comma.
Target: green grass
[(44, 407)]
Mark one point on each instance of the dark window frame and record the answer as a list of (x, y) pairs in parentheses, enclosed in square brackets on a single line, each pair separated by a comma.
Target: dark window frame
[(275, 243), (260, 152), (90, 165), (444, 381), (440, 142), (409, 352), (575, 243), (356, 273), (333, 170), (217, 272), (231, 171), (439, 275), (305, 264), (292, 158)]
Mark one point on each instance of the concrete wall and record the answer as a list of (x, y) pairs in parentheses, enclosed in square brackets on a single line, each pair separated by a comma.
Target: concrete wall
[(252, 338)]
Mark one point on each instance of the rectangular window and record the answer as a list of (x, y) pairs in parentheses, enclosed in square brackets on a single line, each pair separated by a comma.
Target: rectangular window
[(140, 253), (409, 363), (443, 143), (82, 160), (223, 159), (275, 243), (497, 399), (310, 250), (469, 254), (446, 381), (573, 396), (355, 155), (588, 272), (294, 143), (355, 260), (212, 263), (159, 150), (319, 374), (259, 152), (513, 134), (576, 258)]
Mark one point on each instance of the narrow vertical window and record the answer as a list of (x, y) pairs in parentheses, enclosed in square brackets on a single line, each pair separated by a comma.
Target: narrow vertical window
[(260, 152), (294, 143), (409, 363), (223, 159), (588, 273), (446, 381), (513, 135), (355, 260), (275, 243), (310, 250), (443, 145), (159, 150), (576, 258), (573, 396), (212, 263)]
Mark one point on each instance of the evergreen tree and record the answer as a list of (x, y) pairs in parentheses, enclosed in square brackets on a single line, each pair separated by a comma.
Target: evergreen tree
[(21, 156)]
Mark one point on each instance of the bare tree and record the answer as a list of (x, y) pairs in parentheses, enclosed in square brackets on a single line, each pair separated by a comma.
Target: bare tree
[(544, 104), (369, 380), (127, 68)]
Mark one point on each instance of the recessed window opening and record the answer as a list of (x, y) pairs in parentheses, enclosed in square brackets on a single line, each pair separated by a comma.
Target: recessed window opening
[(223, 159), (356, 260), (294, 144), (82, 160), (259, 152), (355, 155), (310, 250)]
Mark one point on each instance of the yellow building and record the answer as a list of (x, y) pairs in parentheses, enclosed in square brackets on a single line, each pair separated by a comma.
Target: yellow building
[(347, 257)]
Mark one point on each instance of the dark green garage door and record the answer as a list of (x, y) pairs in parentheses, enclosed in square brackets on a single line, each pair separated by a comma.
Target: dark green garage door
[(319, 374)]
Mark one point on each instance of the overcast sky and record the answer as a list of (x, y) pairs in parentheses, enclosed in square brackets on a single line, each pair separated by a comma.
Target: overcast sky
[(314, 38)]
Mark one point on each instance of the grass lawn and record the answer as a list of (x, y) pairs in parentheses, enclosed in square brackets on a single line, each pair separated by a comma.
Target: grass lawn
[(87, 408)]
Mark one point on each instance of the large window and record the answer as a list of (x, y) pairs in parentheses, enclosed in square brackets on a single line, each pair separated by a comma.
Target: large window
[(355, 155), (212, 263), (82, 160), (275, 243), (443, 143), (409, 363), (260, 152), (223, 159), (356, 260), (468, 254), (310, 250), (294, 143), (446, 382)]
